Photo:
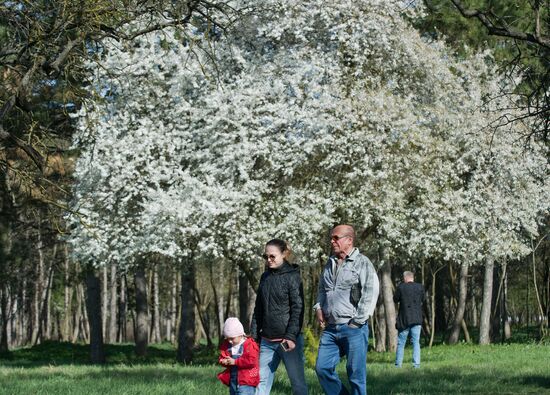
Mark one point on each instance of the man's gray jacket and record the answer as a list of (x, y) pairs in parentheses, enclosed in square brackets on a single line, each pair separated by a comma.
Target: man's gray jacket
[(348, 291)]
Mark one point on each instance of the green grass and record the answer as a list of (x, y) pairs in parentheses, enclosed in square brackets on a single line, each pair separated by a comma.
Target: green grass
[(60, 368)]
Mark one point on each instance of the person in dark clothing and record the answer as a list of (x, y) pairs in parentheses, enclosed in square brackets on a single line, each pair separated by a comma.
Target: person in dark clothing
[(278, 319), (410, 296)]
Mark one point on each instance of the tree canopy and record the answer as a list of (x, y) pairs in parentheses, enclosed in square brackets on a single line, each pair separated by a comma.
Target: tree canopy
[(214, 141)]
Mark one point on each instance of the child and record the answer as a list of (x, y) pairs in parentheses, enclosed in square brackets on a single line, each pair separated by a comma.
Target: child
[(241, 356)]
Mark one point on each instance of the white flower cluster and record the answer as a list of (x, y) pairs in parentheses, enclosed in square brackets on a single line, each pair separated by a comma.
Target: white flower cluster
[(299, 116)]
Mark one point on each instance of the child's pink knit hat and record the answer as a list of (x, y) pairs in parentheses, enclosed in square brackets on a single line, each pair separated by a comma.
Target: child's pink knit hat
[(233, 327)]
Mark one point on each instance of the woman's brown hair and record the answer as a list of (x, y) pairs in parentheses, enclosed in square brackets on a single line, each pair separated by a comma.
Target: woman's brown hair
[(283, 246)]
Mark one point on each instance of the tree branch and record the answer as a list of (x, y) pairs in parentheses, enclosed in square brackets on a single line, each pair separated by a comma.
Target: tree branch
[(505, 30)]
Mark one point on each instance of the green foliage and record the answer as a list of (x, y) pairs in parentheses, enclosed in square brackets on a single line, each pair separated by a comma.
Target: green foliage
[(443, 21), (311, 346)]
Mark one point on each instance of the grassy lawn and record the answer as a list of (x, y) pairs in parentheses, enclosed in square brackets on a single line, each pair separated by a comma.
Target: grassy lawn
[(60, 368)]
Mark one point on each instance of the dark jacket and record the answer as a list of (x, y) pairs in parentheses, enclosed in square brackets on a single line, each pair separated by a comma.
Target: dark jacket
[(279, 310), (410, 297)]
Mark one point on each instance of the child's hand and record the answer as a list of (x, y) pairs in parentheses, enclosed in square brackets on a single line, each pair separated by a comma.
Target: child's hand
[(228, 361)]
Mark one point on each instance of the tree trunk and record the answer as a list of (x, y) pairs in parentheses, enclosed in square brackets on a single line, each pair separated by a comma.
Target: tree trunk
[(464, 327), (113, 318), (543, 325), (4, 316), (461, 307), (433, 304), (252, 303), (485, 319), (497, 317), (381, 332), (389, 306), (244, 301), (39, 286), (155, 332), (122, 310), (314, 275), (46, 310), (441, 319), (142, 327), (187, 322), (12, 320), (104, 299), (40, 329), (77, 316), (507, 328), (93, 305), (85, 321), (201, 310), (216, 279), (173, 309), (21, 314), (232, 284), (475, 322), (67, 296)]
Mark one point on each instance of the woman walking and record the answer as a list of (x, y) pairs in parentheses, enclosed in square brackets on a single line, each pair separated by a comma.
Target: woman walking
[(278, 318)]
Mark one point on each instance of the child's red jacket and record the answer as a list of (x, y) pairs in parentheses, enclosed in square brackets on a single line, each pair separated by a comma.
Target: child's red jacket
[(247, 364)]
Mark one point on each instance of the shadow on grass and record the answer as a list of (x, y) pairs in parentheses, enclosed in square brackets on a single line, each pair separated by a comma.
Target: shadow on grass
[(539, 381), (445, 381), (64, 353), (156, 379)]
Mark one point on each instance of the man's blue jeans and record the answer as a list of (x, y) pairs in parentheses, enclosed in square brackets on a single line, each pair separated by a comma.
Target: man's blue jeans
[(271, 355), (336, 341), (402, 340)]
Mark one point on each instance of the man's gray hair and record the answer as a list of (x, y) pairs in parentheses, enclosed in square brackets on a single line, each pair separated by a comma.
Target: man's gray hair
[(408, 274)]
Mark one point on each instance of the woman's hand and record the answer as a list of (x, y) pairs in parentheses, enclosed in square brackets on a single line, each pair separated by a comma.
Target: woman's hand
[(290, 345)]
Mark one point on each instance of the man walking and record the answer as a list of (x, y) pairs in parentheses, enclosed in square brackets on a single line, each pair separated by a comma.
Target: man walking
[(410, 296), (348, 291)]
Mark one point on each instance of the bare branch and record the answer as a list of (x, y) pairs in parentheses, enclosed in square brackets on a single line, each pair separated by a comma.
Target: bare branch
[(64, 54)]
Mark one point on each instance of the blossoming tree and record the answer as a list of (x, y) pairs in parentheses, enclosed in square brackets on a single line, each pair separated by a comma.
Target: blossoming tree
[(299, 116)]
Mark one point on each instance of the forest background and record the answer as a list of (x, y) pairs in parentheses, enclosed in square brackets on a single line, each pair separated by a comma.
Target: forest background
[(137, 190)]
